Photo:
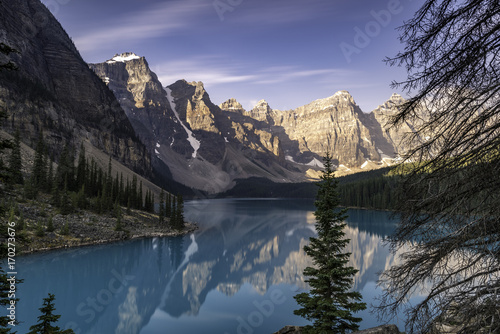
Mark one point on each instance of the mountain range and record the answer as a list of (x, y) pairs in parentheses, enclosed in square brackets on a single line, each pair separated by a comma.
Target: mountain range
[(207, 146), (174, 135)]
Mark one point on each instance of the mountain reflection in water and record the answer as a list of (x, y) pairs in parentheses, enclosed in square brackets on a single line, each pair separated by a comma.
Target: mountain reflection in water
[(237, 274)]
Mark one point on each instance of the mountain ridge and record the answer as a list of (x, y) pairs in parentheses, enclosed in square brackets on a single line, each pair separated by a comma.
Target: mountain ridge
[(55, 93), (208, 146)]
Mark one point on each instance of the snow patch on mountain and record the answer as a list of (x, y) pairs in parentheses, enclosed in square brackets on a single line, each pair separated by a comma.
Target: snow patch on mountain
[(316, 163), (123, 58), (195, 144)]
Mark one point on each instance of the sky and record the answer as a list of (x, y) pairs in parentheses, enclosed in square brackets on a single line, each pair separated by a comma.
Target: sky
[(288, 52)]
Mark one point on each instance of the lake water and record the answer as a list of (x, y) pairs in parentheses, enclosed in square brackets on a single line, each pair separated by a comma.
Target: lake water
[(237, 274)]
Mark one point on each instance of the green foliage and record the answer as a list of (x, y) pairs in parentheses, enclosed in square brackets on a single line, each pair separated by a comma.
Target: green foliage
[(47, 318), (118, 215), (39, 231), (179, 214), (330, 304), (161, 213), (50, 225), (66, 206), (30, 190), (21, 224), (80, 199), (81, 169), (15, 162), (64, 229), (39, 172), (168, 206), (375, 193)]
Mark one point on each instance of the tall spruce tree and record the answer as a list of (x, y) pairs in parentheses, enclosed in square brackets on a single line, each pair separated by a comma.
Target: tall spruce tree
[(45, 321), (161, 213), (81, 168), (330, 303), (5, 143), (15, 163), (178, 222), (168, 206), (39, 172)]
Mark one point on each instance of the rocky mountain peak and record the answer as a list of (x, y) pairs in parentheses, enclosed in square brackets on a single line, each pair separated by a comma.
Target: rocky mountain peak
[(390, 105), (67, 100), (232, 105), (124, 57), (200, 90), (261, 111), (343, 96)]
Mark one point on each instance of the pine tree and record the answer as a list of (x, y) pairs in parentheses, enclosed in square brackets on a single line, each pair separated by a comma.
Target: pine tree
[(65, 229), (56, 195), (65, 170), (116, 189), (50, 175), (81, 168), (50, 225), (161, 211), (39, 172), (173, 218), (108, 187), (5, 50), (39, 231), (330, 302), (152, 203), (178, 222), (140, 206), (30, 188), (133, 192), (66, 205), (15, 163), (81, 199), (180, 211), (168, 206), (118, 215), (122, 190), (45, 321)]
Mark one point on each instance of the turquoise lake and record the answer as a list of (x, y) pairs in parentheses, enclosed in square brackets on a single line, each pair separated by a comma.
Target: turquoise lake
[(237, 274)]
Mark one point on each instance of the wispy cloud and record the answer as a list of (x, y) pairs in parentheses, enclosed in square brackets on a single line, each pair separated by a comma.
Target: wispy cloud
[(214, 70), (158, 20), (280, 11), (208, 69)]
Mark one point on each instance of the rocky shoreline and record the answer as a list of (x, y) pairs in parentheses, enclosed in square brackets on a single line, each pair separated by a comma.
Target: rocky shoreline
[(83, 228)]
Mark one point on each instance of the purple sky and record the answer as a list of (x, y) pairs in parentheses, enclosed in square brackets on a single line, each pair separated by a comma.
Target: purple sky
[(288, 52)]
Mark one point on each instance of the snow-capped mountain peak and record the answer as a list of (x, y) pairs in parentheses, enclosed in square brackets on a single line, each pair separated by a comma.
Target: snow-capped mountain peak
[(124, 57)]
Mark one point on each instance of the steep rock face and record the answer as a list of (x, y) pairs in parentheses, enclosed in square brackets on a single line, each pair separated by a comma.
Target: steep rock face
[(232, 105), (54, 91), (144, 100), (199, 143), (330, 125), (262, 112), (394, 136), (203, 117), (208, 146)]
